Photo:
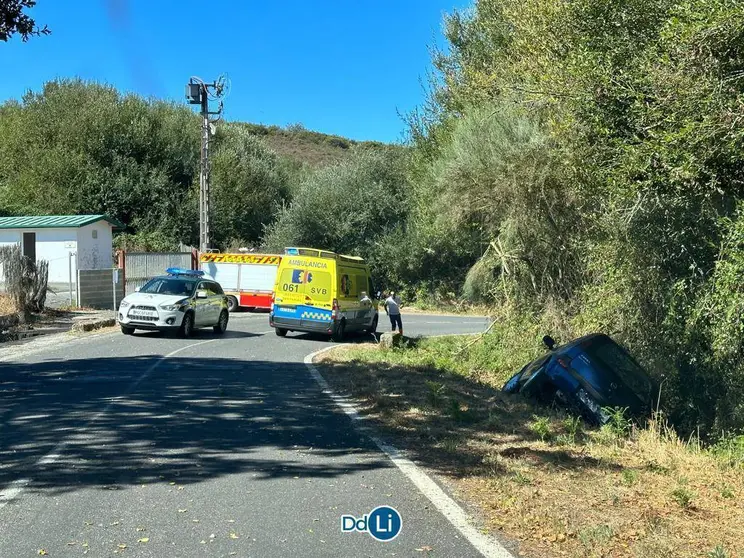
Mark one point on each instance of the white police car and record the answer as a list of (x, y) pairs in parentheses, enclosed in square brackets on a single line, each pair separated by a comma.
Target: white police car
[(180, 301)]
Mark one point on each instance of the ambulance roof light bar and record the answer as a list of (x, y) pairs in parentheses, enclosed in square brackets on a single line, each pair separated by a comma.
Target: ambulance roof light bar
[(311, 252)]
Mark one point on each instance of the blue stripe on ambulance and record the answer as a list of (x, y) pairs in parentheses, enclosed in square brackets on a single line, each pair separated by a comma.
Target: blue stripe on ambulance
[(303, 312)]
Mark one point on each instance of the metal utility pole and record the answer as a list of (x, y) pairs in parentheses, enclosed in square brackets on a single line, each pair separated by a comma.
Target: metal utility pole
[(199, 93), (204, 228)]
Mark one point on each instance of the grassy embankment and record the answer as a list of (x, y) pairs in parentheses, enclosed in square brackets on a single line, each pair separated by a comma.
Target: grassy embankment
[(534, 474), (422, 306), (300, 146)]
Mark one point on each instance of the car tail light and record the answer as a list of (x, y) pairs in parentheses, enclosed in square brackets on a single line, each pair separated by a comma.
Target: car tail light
[(273, 298), (334, 310)]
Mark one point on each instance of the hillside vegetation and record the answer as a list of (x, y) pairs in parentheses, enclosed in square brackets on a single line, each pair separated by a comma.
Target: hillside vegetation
[(300, 146), (593, 148)]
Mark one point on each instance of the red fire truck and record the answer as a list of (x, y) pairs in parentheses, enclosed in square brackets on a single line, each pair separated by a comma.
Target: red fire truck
[(247, 279)]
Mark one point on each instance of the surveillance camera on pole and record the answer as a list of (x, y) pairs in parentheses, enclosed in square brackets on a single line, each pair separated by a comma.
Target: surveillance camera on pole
[(200, 93)]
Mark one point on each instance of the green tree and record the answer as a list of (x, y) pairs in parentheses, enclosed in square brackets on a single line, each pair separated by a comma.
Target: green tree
[(79, 147), (349, 207), (14, 19), (250, 185), (498, 184)]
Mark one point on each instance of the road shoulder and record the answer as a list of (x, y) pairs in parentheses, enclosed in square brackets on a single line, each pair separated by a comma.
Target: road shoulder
[(487, 545)]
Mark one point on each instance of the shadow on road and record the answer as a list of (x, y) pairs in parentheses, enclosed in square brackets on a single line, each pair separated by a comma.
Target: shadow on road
[(188, 420), (204, 333), (356, 337)]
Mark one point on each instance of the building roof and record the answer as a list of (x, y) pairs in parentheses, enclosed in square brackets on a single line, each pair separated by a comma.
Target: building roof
[(55, 221)]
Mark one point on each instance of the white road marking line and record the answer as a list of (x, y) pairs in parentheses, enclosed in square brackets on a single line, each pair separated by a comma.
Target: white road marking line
[(487, 546), (15, 488)]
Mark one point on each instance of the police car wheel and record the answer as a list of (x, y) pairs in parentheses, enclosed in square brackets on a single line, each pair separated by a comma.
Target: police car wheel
[(232, 304), (187, 325), (280, 331), (221, 325)]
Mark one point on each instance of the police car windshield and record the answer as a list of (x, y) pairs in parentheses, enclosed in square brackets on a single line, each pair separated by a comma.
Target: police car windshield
[(169, 286)]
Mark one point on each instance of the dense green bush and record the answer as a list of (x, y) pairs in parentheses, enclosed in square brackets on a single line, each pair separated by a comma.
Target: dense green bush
[(499, 184), (250, 187), (351, 207), (78, 147)]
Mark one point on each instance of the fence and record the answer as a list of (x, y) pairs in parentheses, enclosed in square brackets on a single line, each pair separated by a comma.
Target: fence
[(139, 267), (100, 288)]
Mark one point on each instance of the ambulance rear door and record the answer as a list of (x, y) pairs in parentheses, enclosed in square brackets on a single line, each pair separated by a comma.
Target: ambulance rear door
[(257, 283)]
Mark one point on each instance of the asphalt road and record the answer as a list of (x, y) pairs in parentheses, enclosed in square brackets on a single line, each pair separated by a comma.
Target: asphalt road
[(213, 446)]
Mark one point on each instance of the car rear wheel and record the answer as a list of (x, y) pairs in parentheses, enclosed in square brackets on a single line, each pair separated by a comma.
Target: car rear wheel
[(373, 328), (280, 331), (232, 304), (221, 325), (187, 325), (126, 330)]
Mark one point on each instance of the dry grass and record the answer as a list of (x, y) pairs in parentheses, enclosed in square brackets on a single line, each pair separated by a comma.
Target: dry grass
[(7, 306), (537, 477), (452, 307), (470, 311), (310, 153)]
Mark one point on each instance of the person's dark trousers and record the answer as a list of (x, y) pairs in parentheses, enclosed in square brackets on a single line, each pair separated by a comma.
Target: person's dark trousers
[(396, 322)]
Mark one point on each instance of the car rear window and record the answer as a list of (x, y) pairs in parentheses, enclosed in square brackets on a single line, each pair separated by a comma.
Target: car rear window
[(532, 368)]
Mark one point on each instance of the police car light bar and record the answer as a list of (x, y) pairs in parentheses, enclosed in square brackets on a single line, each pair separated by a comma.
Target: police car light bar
[(179, 271)]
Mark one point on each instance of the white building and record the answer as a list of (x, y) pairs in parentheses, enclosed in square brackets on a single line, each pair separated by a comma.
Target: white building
[(67, 242)]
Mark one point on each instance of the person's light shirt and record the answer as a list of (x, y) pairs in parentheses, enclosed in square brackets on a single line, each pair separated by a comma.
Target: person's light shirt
[(392, 305)]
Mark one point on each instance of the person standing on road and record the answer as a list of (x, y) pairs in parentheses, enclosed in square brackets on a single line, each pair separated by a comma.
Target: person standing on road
[(392, 309)]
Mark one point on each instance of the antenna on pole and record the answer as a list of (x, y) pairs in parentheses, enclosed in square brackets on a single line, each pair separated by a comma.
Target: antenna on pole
[(198, 92)]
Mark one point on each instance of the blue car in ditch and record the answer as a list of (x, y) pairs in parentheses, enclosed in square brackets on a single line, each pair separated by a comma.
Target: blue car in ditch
[(588, 375)]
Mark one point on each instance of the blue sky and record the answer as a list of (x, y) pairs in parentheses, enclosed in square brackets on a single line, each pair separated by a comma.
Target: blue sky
[(340, 67)]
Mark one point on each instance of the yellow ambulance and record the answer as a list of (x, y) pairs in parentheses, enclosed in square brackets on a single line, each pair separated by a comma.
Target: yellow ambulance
[(322, 292)]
